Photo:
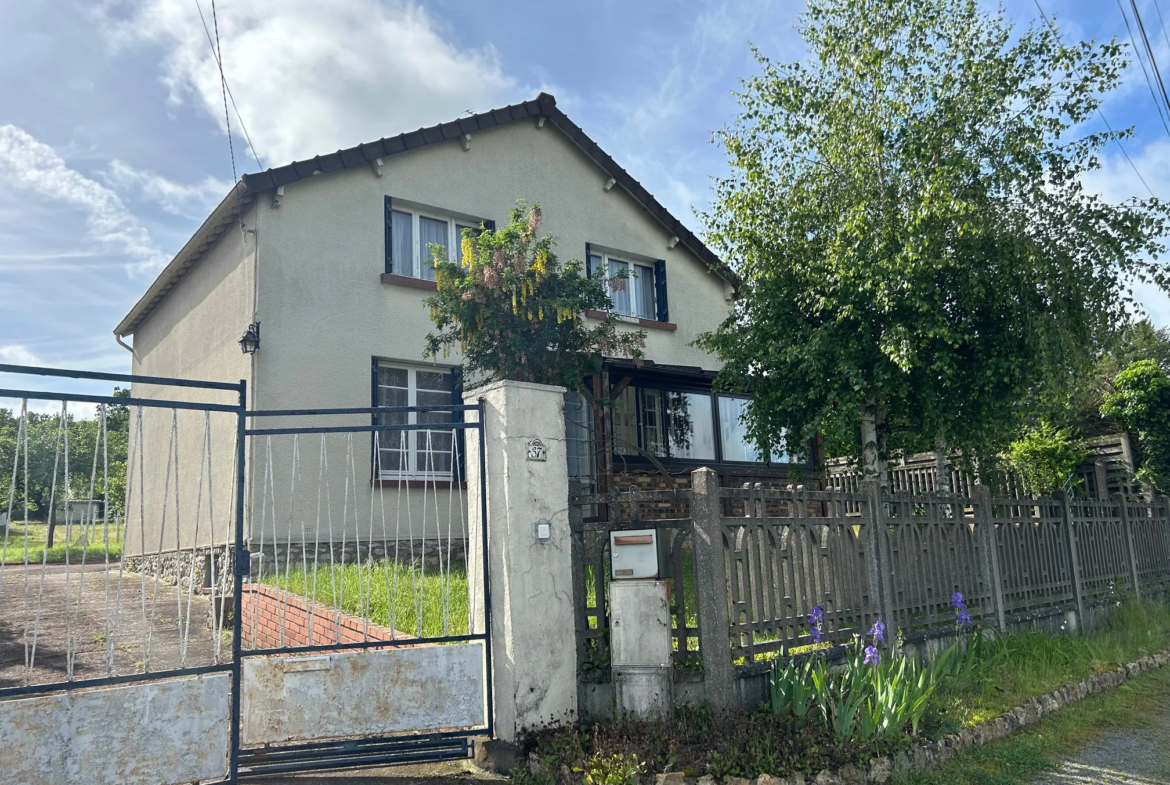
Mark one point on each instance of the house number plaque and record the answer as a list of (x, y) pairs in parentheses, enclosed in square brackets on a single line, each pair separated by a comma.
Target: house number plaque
[(537, 451)]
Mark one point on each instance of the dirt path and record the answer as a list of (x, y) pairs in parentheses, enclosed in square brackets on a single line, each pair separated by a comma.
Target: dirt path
[(117, 626), (1139, 756)]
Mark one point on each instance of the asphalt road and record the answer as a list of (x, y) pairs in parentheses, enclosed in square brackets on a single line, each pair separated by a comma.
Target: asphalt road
[(1129, 757)]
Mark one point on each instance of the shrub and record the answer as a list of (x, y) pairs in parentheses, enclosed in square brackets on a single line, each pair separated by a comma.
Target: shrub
[(515, 313), (1045, 459), (1142, 404)]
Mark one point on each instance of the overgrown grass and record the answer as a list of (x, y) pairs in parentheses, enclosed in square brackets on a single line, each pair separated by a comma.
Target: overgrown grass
[(1025, 665), (413, 599), (1042, 747), (94, 552)]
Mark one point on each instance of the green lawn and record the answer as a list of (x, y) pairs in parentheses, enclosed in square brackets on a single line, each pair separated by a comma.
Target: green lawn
[(425, 603), (1041, 748), (95, 551), (1022, 666)]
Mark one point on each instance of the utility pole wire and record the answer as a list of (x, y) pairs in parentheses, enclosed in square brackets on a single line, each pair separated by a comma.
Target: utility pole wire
[(1142, 63), (1112, 134), (227, 87)]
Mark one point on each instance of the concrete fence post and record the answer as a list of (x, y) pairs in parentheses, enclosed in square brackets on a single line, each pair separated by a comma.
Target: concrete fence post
[(533, 634), (879, 572), (711, 589), (985, 523), (1127, 527), (1074, 563)]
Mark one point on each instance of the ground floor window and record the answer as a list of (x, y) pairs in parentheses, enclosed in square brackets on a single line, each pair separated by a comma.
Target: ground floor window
[(684, 424), (414, 454)]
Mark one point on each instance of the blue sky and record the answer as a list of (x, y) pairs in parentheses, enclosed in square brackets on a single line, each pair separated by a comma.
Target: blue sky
[(112, 147)]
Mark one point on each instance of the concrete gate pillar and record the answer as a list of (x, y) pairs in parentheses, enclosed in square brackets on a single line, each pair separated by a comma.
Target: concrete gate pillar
[(533, 637)]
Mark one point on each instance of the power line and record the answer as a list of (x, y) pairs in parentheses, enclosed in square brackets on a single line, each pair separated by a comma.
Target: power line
[(1164, 104), (1112, 134), (223, 79), (227, 118)]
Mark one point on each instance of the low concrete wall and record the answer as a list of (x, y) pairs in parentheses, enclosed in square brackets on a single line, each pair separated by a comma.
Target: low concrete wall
[(266, 611)]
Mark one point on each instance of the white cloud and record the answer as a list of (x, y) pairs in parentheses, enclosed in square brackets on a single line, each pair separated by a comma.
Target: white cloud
[(187, 201), (33, 167), (310, 78), (1116, 181), (15, 354)]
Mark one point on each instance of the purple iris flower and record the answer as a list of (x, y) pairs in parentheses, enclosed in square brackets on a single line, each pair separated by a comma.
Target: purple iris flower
[(964, 617), (872, 656), (957, 600), (878, 632), (817, 616), (815, 634)]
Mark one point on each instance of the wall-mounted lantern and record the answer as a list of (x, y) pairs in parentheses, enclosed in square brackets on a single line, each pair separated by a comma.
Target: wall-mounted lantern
[(251, 340)]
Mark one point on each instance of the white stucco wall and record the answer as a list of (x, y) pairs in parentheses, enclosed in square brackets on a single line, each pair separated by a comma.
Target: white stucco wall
[(192, 334), (326, 313)]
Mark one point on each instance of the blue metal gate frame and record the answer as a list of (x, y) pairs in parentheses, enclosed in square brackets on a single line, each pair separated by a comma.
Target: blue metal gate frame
[(239, 409), (294, 757), (369, 751)]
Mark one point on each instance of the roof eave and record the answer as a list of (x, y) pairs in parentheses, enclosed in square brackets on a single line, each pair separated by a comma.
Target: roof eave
[(208, 232)]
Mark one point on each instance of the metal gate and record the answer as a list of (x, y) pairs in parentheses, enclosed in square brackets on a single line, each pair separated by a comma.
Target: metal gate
[(113, 661), (221, 601), (363, 624)]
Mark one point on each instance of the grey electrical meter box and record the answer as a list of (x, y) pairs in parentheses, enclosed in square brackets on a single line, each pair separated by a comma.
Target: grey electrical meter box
[(633, 554)]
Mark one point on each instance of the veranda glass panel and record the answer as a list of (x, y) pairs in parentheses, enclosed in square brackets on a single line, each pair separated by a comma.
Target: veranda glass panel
[(692, 429), (733, 433)]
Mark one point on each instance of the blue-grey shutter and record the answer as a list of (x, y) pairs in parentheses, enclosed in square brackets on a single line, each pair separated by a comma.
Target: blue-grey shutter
[(660, 290), (457, 398), (588, 261), (389, 253), (489, 225), (374, 419)]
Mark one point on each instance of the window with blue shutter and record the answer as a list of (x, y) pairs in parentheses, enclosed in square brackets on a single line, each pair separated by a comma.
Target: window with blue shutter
[(663, 314)]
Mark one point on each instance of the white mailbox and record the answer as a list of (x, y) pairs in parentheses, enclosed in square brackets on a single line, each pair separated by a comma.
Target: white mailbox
[(633, 554)]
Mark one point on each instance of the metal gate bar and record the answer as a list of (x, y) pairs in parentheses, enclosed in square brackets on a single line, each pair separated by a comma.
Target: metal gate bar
[(167, 676), (378, 749)]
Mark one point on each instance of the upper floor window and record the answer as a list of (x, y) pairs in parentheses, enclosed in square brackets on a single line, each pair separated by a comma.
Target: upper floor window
[(638, 289), (412, 235)]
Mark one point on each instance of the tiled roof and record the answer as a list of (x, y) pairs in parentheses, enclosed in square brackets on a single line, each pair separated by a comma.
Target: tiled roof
[(544, 105)]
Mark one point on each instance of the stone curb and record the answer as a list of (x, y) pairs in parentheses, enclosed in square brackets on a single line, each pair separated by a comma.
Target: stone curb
[(931, 754)]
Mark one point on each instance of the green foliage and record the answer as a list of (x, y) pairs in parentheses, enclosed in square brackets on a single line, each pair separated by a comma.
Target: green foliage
[(906, 213), (1142, 404), (515, 313), (614, 769), (862, 701), (88, 459), (1045, 459)]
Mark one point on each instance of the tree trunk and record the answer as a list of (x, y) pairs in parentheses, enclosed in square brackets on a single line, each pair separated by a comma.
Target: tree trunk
[(870, 469), (51, 530), (942, 470)]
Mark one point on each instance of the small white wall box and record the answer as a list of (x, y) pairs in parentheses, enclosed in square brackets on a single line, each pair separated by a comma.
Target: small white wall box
[(640, 649), (633, 555)]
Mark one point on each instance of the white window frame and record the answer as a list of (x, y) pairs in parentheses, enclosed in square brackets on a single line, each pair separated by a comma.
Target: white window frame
[(635, 284), (412, 450), (454, 239)]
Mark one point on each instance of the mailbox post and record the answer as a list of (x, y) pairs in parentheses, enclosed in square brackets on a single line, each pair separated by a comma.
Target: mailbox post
[(639, 627)]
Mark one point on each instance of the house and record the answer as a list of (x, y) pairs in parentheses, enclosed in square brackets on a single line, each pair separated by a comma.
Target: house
[(328, 256)]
